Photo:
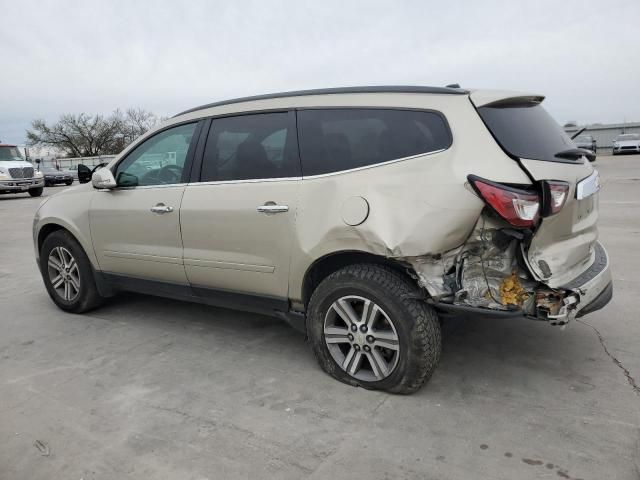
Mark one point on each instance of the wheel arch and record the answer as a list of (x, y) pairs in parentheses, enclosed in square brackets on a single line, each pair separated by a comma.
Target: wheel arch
[(48, 227), (329, 263)]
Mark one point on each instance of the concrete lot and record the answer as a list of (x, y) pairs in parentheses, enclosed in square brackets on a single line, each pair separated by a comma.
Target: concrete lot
[(152, 388)]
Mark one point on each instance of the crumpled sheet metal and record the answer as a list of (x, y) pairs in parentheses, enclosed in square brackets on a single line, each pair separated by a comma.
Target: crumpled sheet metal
[(478, 272)]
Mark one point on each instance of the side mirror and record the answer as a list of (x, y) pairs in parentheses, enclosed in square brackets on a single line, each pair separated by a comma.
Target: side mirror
[(37, 160), (103, 178), (84, 174), (127, 180)]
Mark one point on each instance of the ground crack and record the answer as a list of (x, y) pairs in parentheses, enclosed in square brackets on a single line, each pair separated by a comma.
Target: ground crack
[(626, 372)]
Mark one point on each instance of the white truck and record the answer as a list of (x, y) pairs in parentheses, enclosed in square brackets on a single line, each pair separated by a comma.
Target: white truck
[(16, 174)]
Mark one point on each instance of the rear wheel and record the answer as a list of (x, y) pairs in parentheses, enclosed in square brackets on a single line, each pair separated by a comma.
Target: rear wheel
[(67, 273), (369, 328), (36, 192), (68, 182)]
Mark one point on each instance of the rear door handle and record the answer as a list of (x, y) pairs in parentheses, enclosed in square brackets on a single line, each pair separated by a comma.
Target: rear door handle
[(161, 208), (272, 207)]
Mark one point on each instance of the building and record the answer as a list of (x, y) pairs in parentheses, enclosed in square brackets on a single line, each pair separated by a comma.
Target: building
[(604, 133)]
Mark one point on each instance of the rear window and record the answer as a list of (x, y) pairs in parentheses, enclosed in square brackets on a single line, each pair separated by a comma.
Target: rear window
[(526, 131), (332, 140)]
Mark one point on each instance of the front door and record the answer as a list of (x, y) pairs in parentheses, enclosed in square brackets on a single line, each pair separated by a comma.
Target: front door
[(238, 219), (136, 227)]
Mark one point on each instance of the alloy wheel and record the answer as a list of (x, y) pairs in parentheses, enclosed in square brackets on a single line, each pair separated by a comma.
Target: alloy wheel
[(361, 338), (64, 273)]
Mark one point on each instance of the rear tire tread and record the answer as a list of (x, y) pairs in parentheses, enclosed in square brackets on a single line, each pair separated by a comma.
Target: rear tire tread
[(425, 334)]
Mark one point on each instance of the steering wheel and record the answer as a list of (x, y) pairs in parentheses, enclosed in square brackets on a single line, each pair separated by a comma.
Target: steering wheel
[(170, 174)]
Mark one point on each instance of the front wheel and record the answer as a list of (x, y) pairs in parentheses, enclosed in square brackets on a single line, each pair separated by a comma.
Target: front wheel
[(36, 192), (67, 273), (369, 327), (68, 182)]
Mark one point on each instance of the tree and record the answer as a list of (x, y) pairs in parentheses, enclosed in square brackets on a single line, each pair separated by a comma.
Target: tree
[(88, 136)]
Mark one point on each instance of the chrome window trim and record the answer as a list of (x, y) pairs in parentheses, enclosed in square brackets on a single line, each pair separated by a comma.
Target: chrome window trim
[(252, 180), (312, 177), (139, 187), (374, 165)]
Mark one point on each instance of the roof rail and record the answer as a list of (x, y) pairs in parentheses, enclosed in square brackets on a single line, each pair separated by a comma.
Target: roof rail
[(333, 91)]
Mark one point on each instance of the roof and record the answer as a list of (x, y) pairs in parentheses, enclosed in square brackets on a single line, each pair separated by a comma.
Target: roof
[(7, 145), (333, 91)]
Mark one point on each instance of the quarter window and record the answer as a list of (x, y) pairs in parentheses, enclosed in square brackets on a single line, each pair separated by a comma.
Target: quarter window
[(248, 147), (341, 139), (158, 160)]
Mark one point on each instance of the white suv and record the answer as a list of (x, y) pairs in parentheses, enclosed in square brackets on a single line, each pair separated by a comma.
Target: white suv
[(18, 175), (359, 215)]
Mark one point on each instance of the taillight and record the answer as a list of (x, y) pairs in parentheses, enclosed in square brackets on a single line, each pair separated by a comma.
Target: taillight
[(518, 207), (555, 195)]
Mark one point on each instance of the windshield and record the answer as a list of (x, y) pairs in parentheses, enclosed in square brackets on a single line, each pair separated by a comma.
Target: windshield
[(526, 131), (629, 136), (8, 154), (583, 138)]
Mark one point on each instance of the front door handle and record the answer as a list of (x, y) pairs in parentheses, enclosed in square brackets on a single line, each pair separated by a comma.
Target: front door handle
[(161, 208), (272, 207)]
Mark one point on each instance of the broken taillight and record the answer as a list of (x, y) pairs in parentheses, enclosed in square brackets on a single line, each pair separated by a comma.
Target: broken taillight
[(520, 208), (555, 195)]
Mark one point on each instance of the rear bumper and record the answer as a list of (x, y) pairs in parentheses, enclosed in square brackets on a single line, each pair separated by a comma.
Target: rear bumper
[(588, 292), (599, 302), (21, 184), (594, 286)]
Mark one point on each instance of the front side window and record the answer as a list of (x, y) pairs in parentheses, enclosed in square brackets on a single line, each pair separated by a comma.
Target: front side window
[(158, 160), (247, 147), (341, 139)]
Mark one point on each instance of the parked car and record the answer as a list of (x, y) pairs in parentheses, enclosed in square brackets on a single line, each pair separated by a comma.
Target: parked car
[(73, 170), (18, 175), (53, 176), (355, 214), (626, 143), (587, 142)]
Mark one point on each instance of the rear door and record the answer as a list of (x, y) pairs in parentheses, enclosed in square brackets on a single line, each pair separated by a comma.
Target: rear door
[(237, 217), (564, 244)]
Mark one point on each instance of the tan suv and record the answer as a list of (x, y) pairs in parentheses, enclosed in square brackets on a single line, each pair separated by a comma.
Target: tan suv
[(359, 215)]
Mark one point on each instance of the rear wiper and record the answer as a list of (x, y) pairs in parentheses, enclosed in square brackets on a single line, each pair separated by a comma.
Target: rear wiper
[(575, 154)]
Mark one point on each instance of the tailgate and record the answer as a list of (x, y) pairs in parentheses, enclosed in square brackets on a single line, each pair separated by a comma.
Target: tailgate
[(563, 245)]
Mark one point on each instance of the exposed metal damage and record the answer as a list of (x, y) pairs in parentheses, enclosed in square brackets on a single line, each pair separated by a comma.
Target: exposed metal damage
[(487, 271)]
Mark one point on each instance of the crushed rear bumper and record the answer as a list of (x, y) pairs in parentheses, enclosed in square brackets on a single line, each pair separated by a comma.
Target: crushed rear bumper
[(594, 286)]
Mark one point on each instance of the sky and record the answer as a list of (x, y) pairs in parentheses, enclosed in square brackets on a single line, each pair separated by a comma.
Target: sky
[(167, 56)]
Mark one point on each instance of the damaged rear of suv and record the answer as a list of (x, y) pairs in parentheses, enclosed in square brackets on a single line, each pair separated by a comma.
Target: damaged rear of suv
[(360, 215), (534, 251)]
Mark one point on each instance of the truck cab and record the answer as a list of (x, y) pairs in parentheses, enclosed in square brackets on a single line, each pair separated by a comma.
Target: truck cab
[(16, 174)]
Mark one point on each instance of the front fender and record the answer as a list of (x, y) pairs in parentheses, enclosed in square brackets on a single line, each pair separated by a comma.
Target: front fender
[(69, 210)]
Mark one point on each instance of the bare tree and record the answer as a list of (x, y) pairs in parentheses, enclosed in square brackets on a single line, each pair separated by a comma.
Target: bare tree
[(87, 136), (140, 121)]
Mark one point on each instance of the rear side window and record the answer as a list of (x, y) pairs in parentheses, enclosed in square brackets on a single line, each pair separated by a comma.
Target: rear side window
[(526, 131), (252, 146), (341, 139)]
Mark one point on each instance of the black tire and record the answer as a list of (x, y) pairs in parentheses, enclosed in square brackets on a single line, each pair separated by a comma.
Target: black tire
[(87, 297), (68, 182), (36, 192), (416, 324)]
